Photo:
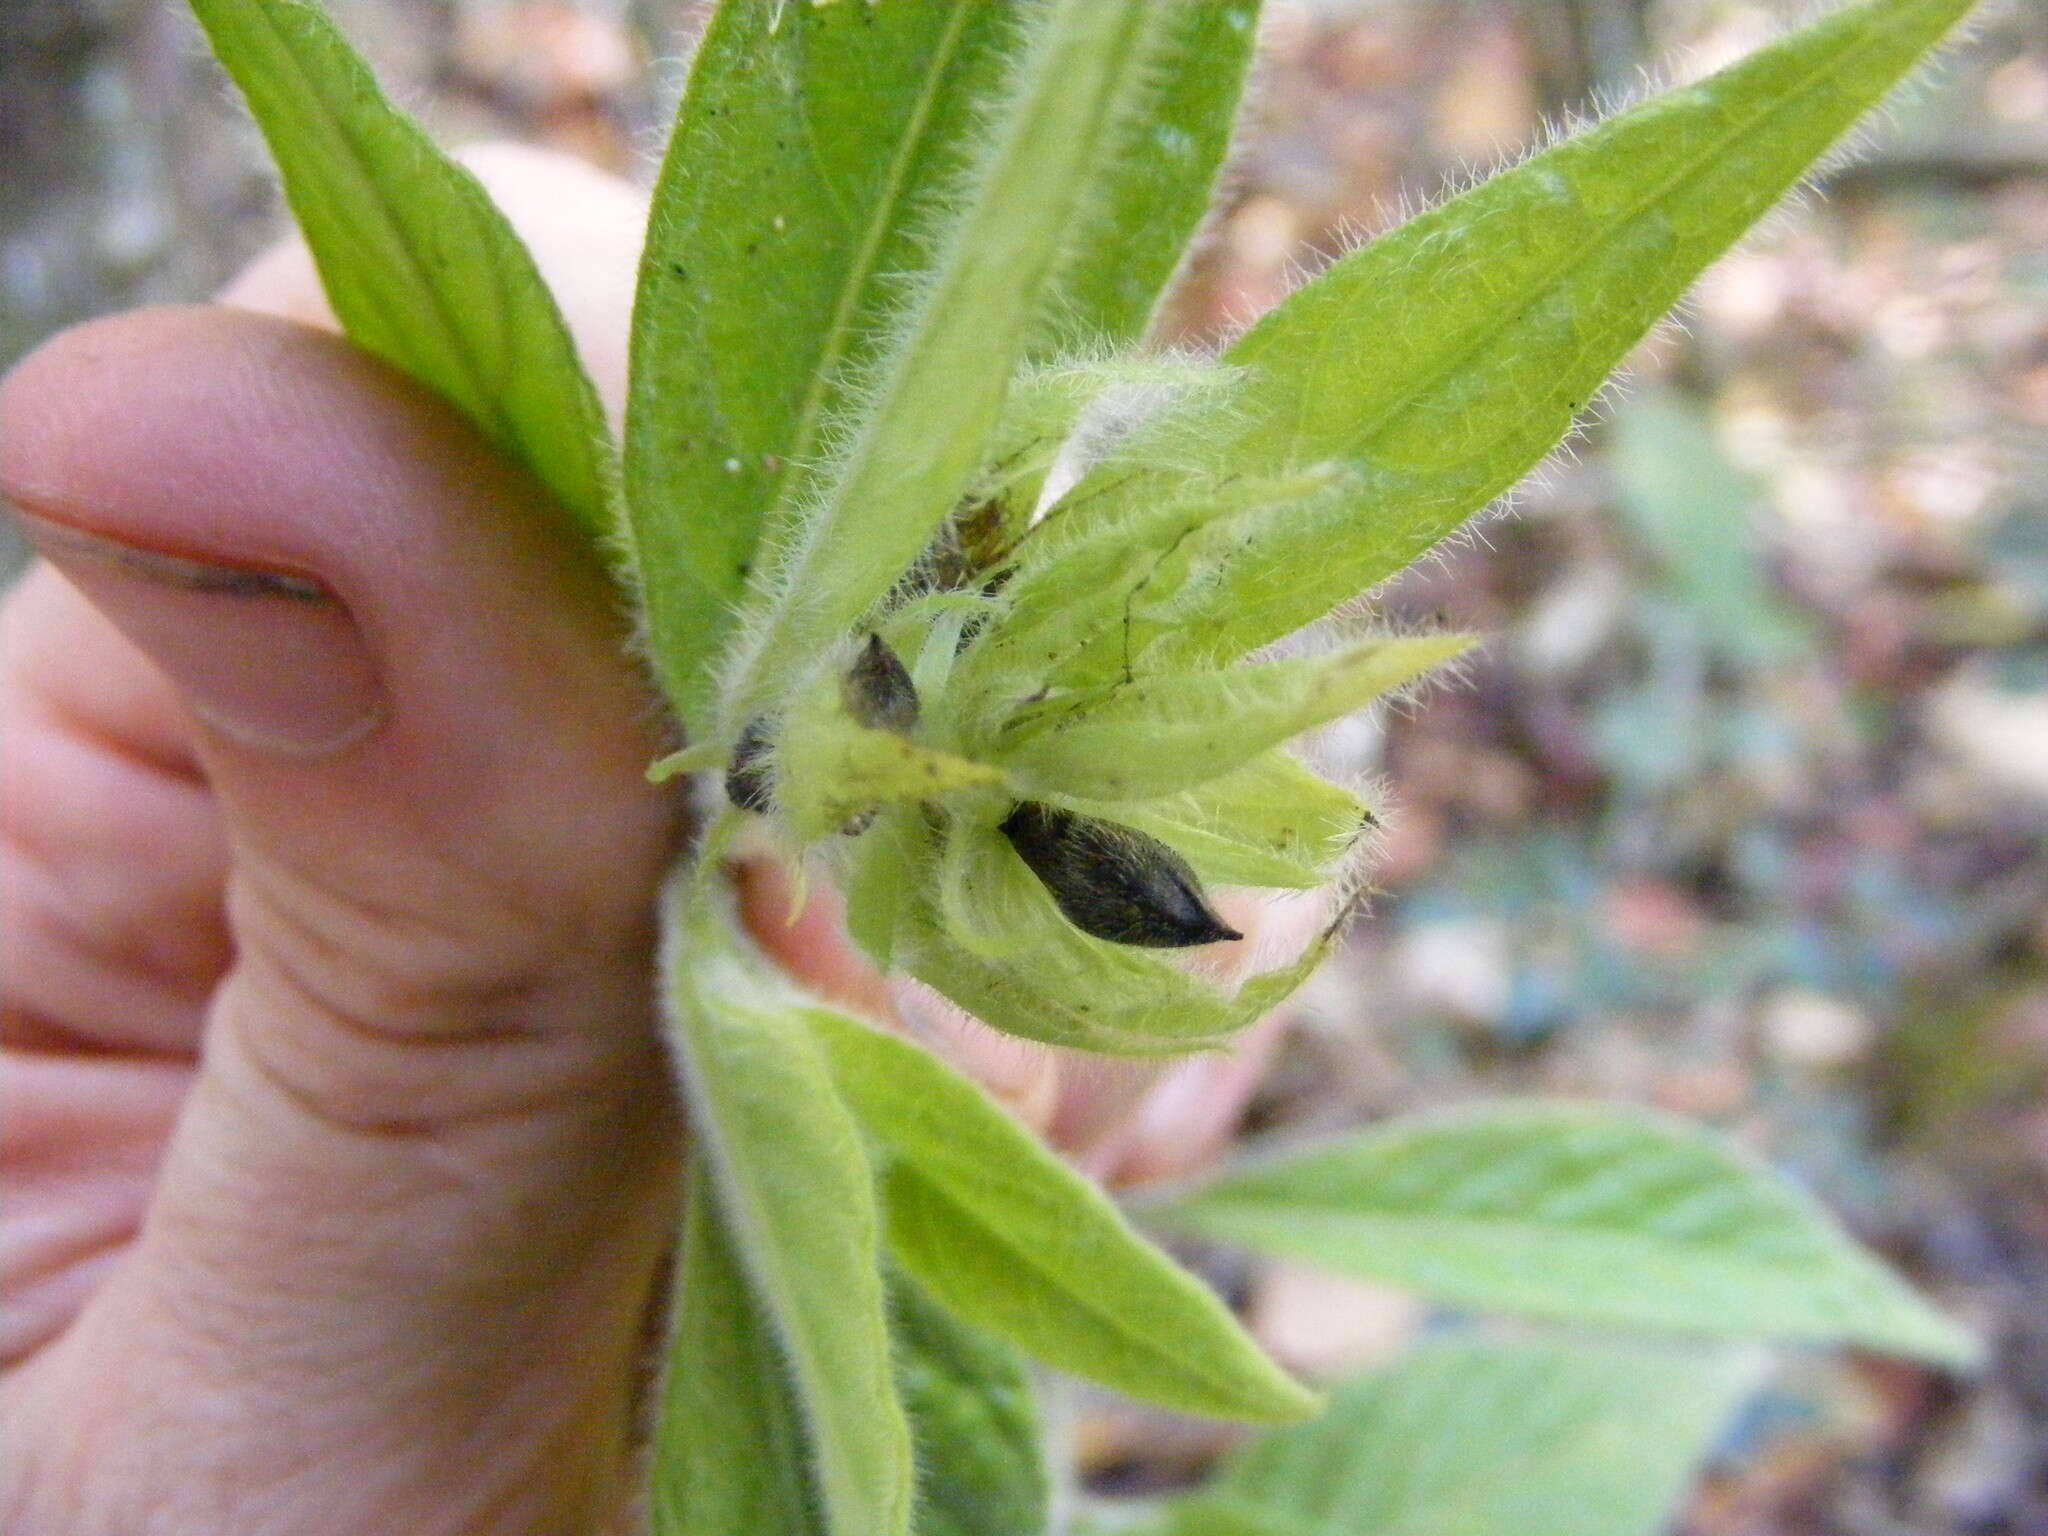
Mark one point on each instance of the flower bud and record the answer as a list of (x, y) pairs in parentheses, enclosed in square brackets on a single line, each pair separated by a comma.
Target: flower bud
[(1113, 882)]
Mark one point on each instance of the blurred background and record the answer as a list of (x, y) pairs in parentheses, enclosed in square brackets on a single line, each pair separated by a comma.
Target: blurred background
[(1741, 812)]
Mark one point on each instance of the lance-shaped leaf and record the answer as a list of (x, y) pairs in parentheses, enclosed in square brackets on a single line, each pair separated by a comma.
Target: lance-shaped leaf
[(1476, 1437), (913, 445), (1270, 823), (1008, 1237), (730, 1454), (420, 266), (1578, 1212), (1076, 610), (980, 1468), (1163, 734), (811, 153), (1446, 358), (797, 1197), (1160, 174)]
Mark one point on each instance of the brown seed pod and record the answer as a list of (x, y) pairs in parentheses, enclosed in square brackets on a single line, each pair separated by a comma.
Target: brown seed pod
[(879, 693), (1113, 882), (749, 784)]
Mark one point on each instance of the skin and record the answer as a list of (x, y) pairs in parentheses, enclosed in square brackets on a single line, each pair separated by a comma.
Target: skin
[(339, 1140)]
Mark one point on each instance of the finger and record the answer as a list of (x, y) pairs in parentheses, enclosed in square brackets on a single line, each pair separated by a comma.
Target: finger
[(111, 852), (69, 1215), (433, 1058)]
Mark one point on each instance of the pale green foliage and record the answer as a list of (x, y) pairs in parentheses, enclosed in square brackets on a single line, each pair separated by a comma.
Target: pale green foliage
[(1442, 361), (1014, 1241), (812, 164), (741, 1466), (981, 1471), (420, 266), (918, 437), (974, 924), (1271, 823), (1478, 1437), (1580, 1212), (830, 768), (813, 147), (1172, 733), (794, 1190), (1152, 184)]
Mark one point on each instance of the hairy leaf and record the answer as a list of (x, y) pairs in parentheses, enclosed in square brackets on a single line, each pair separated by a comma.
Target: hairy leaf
[(917, 440), (1080, 607), (420, 266), (807, 166), (981, 1471), (1161, 735), (1579, 1212), (798, 1198), (731, 1454), (831, 769), (1475, 1437), (1446, 358), (1156, 184), (990, 938), (1011, 1239), (1270, 823)]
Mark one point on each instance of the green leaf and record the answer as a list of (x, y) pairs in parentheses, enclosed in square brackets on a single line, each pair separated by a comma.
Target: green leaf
[(1009, 1238), (1446, 358), (1270, 823), (1582, 1212), (1089, 593), (880, 879), (1172, 732), (830, 769), (1695, 512), (808, 160), (797, 1195), (1156, 185), (989, 937), (730, 1455), (420, 266), (1076, 403), (1473, 1437), (981, 1471), (918, 438)]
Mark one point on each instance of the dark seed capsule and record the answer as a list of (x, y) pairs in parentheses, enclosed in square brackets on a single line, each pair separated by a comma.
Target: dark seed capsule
[(879, 693), (748, 782), (1112, 882)]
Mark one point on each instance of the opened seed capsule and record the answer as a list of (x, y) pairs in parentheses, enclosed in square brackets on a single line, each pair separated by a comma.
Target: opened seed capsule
[(1112, 882), (879, 693)]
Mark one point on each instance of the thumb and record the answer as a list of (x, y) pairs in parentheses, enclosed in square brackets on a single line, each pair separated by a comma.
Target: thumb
[(429, 1146)]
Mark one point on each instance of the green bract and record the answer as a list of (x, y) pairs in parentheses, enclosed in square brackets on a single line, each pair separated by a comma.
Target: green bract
[(1005, 623)]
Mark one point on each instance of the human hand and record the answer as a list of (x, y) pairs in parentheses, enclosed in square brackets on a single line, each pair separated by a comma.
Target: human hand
[(339, 1139)]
